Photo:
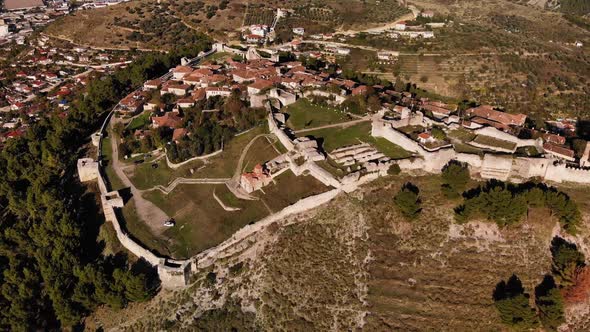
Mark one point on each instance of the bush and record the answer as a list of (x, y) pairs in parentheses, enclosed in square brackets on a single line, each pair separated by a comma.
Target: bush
[(408, 202), (394, 169), (506, 204)]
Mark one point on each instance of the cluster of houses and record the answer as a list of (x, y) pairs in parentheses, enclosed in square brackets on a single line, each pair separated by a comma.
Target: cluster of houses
[(44, 70), (22, 17)]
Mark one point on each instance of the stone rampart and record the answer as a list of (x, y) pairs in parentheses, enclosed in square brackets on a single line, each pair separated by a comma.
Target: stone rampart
[(279, 133), (385, 130), (208, 256), (562, 173)]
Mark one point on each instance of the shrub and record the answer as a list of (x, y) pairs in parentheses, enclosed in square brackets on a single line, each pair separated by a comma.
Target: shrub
[(506, 203), (455, 177), (579, 291), (408, 201), (394, 169)]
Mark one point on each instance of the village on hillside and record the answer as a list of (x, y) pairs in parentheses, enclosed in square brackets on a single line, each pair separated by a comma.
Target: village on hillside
[(242, 134)]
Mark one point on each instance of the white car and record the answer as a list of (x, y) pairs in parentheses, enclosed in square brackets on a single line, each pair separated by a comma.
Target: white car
[(169, 223)]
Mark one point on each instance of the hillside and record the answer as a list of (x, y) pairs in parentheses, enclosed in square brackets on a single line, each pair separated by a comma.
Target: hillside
[(518, 56), (147, 24), (355, 264)]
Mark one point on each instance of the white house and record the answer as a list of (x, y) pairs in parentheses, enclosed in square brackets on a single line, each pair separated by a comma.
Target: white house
[(215, 91), (259, 29), (400, 26), (299, 31), (180, 72)]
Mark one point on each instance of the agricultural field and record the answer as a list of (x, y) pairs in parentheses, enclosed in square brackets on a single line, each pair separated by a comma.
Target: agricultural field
[(304, 114)]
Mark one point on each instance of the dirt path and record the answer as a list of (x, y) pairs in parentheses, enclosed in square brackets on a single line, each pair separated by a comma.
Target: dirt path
[(168, 189), (147, 211), (336, 125)]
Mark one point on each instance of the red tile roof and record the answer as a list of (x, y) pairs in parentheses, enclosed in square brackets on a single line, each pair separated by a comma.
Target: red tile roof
[(170, 120), (488, 112), (559, 150)]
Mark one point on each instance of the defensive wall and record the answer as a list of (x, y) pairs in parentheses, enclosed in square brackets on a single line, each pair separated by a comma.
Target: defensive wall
[(489, 166)]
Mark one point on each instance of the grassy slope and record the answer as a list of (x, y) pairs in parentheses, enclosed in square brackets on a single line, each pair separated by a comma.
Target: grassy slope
[(304, 114), (108, 29), (334, 138), (426, 275)]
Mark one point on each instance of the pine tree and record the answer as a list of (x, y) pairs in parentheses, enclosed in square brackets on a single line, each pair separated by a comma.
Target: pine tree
[(566, 261), (513, 305), (550, 304), (408, 202)]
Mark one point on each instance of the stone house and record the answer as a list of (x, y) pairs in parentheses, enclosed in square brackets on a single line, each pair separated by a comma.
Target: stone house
[(258, 178)]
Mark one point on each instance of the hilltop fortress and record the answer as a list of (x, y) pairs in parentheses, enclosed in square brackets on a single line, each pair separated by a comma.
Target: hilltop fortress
[(427, 130)]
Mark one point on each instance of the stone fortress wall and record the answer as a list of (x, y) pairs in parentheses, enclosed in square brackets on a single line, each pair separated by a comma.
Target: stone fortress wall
[(489, 166), (176, 273)]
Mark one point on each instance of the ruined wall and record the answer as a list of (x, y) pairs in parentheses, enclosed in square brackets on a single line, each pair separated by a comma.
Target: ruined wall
[(322, 175), (338, 99), (384, 129), (280, 134)]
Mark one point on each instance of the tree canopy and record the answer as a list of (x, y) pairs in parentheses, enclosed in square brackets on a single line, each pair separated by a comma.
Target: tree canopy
[(52, 269), (408, 202)]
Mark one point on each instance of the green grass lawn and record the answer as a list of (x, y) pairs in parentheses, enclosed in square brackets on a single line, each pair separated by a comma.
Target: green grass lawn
[(144, 176), (465, 148), (288, 189), (201, 223), (218, 56), (334, 138), (303, 114), (224, 164), (462, 134), (130, 221), (111, 177), (261, 151), (140, 121), (494, 142)]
